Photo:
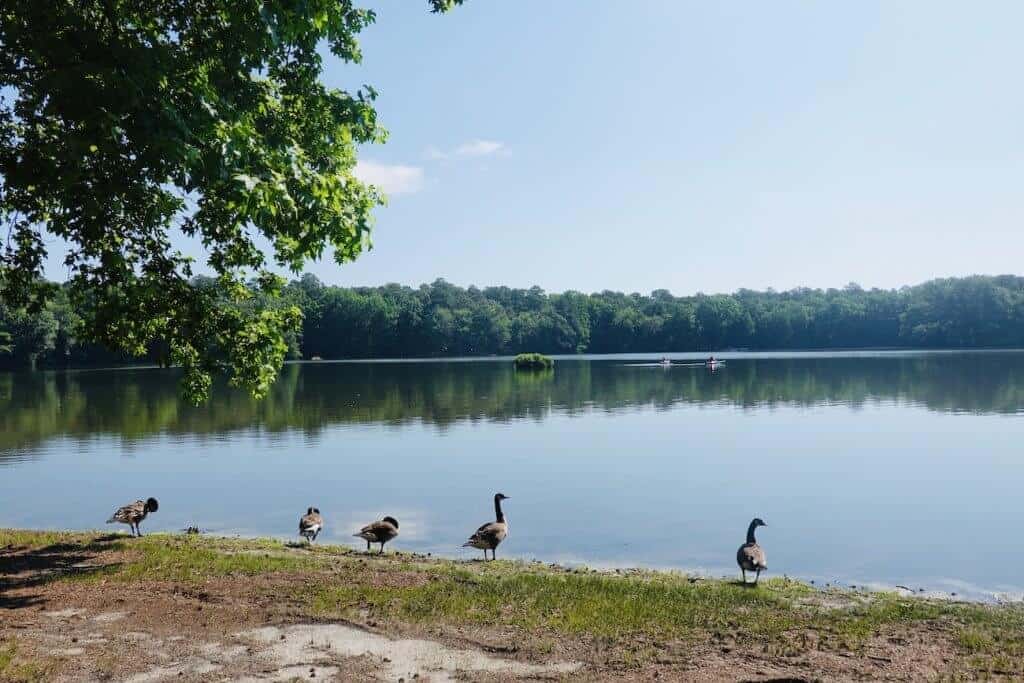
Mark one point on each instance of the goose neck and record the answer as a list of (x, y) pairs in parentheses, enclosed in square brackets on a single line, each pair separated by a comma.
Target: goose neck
[(750, 533), (499, 515)]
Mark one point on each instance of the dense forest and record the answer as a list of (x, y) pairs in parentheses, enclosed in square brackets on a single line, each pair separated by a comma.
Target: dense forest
[(441, 319)]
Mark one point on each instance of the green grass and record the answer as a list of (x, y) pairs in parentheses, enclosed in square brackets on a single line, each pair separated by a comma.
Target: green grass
[(15, 671), (7, 652), (37, 539), (174, 557), (652, 604), (570, 603), (190, 561), (781, 616)]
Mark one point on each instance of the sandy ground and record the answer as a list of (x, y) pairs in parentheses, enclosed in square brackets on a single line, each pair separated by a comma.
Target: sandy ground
[(250, 629)]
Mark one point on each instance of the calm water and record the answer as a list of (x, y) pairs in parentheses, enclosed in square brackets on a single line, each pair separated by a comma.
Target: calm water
[(870, 468)]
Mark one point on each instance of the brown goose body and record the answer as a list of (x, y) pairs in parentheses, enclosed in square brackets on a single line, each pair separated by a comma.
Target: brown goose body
[(751, 556), (489, 536), (311, 524), (133, 513), (381, 531)]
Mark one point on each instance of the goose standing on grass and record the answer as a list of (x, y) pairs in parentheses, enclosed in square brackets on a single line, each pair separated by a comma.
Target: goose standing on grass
[(491, 534), (750, 557), (311, 524), (133, 513), (380, 531)]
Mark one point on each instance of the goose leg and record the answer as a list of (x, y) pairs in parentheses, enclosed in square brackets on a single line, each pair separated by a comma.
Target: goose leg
[(367, 546), (744, 574), (381, 548), (757, 576)]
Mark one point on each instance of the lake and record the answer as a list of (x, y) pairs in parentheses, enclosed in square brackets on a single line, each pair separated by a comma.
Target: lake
[(870, 468)]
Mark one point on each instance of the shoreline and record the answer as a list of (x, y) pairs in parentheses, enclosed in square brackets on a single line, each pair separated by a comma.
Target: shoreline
[(256, 607), (837, 351), (966, 593)]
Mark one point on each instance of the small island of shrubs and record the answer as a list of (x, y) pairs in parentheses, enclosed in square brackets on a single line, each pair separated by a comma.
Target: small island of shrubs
[(533, 361)]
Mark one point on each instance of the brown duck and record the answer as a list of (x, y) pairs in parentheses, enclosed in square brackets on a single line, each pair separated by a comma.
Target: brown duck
[(381, 531), (133, 513), (311, 524), (750, 557), (490, 535)]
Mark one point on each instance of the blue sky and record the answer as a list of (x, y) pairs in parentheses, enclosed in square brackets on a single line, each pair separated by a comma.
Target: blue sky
[(693, 146)]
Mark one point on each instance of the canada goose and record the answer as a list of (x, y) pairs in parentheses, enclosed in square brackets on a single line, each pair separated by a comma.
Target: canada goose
[(380, 531), (491, 534), (311, 524), (133, 513), (750, 557)]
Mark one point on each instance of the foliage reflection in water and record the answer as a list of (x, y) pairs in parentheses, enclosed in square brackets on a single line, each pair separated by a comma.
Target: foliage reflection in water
[(864, 463)]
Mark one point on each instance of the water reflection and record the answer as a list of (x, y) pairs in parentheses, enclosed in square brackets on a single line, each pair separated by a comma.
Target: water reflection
[(862, 464), (134, 404)]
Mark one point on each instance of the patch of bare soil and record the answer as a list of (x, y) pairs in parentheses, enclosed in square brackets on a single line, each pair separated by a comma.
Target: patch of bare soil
[(254, 629)]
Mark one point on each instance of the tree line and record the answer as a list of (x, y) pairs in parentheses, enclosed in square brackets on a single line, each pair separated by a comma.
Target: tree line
[(442, 319)]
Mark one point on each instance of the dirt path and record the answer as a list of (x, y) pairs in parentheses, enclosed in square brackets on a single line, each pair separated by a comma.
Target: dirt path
[(99, 609)]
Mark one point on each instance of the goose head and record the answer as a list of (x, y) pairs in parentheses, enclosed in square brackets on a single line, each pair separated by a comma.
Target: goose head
[(500, 496), (757, 522), (151, 505), (392, 521)]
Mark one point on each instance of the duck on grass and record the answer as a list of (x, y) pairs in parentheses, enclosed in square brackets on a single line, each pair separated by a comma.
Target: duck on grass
[(533, 361)]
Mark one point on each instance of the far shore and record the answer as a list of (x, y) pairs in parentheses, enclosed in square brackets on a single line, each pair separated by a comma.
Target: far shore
[(839, 352), (100, 606)]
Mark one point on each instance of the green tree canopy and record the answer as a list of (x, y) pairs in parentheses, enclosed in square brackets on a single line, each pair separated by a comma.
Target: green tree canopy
[(123, 122), (32, 334), (441, 319)]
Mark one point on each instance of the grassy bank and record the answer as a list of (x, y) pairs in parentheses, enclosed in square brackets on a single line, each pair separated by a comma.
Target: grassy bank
[(634, 615)]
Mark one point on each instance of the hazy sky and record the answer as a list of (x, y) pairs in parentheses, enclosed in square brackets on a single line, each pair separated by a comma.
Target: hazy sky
[(693, 146)]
